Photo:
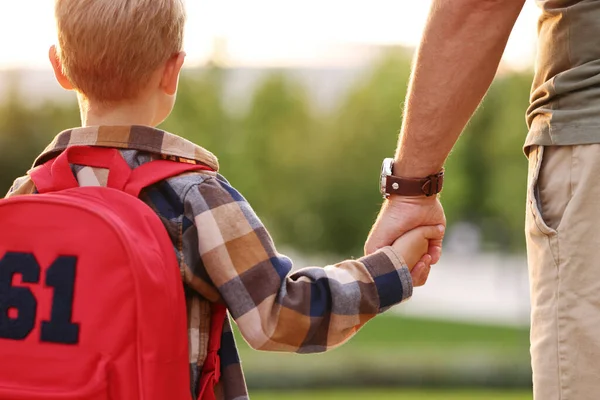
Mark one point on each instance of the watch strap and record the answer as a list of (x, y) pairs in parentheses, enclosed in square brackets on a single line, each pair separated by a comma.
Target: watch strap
[(428, 186)]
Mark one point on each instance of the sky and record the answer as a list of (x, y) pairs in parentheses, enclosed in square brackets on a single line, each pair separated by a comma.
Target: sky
[(265, 32)]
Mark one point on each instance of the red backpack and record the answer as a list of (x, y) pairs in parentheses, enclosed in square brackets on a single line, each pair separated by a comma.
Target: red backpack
[(91, 297)]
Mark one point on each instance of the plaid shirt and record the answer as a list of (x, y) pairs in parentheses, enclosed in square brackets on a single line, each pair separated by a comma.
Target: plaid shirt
[(225, 253)]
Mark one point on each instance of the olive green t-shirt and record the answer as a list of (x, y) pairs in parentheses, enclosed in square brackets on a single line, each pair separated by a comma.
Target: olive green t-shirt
[(565, 97)]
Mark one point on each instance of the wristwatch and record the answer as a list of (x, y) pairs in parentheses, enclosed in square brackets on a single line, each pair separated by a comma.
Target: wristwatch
[(390, 184)]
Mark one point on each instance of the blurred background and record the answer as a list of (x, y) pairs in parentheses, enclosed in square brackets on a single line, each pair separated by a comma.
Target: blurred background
[(301, 100)]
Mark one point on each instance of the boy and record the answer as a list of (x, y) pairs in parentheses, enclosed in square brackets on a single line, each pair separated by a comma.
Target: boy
[(123, 59)]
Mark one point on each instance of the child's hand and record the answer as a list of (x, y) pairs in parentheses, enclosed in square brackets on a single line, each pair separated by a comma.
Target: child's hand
[(413, 245)]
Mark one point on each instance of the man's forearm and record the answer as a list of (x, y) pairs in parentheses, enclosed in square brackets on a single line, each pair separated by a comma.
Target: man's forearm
[(456, 62)]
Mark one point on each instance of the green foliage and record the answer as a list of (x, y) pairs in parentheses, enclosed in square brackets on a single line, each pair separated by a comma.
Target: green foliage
[(274, 170), (312, 175), (390, 394), (200, 115), (356, 138), (491, 167)]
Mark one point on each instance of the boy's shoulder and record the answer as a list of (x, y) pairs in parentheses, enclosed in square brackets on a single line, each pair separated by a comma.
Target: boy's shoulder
[(138, 145), (22, 185), (206, 191), (203, 182), (131, 137)]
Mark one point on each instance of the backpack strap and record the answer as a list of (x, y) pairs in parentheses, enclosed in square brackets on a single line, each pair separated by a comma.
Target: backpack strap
[(211, 371), (156, 171), (56, 174)]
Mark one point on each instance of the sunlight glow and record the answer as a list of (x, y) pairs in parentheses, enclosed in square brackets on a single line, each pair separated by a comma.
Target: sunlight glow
[(264, 32)]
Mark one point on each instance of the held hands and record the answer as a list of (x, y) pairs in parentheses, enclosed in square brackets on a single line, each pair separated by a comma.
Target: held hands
[(414, 244), (400, 215)]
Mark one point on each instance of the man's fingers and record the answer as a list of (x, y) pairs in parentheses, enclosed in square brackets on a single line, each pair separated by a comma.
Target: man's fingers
[(435, 251), (434, 232), (420, 273)]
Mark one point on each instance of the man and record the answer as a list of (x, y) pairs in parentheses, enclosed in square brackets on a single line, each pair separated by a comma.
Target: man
[(456, 62)]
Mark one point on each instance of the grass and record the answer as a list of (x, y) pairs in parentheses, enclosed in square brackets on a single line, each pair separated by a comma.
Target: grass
[(392, 330), (402, 351), (393, 395)]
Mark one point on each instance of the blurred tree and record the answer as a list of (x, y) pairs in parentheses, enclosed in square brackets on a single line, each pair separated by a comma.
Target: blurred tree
[(491, 167), (274, 169), (506, 194), (26, 131), (312, 176), (200, 115), (359, 135)]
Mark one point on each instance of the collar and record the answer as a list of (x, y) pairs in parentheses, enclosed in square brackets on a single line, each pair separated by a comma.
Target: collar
[(134, 137)]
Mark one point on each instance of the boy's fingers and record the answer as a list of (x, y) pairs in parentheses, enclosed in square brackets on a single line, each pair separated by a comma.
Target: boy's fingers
[(426, 259)]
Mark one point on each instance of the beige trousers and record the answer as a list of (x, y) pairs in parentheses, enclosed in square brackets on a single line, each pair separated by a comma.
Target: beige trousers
[(563, 247)]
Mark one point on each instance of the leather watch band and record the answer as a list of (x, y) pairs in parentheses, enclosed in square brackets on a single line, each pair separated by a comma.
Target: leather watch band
[(428, 186)]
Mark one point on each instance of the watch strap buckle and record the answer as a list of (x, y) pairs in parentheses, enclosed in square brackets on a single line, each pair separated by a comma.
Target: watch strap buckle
[(433, 185)]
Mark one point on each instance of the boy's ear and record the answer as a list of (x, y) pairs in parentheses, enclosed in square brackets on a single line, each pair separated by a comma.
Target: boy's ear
[(170, 78), (58, 71)]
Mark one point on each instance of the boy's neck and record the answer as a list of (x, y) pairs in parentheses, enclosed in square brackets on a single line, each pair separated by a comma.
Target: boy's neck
[(122, 114)]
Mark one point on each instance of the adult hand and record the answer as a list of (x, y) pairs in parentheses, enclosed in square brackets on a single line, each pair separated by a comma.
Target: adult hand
[(401, 214), (414, 244)]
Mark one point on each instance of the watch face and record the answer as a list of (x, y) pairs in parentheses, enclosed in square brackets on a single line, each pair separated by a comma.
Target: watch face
[(386, 170)]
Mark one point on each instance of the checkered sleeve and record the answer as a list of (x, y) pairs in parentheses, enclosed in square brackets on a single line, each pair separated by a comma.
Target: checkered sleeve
[(22, 185), (310, 310)]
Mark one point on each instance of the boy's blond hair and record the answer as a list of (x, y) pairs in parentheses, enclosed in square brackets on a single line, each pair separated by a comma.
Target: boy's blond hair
[(110, 48)]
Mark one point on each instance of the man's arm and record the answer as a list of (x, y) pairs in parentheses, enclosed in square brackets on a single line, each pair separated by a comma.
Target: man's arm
[(455, 64)]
